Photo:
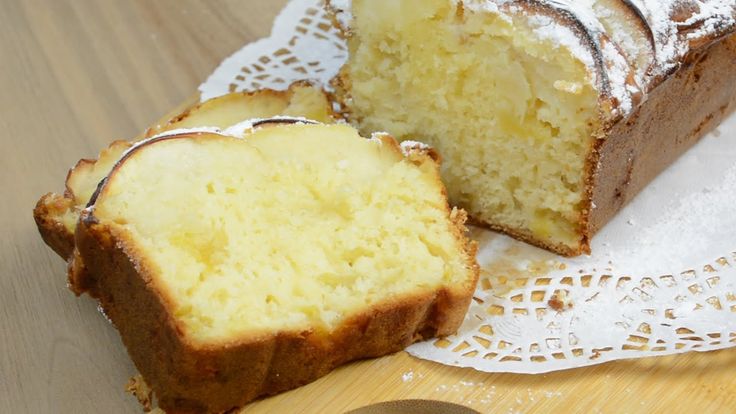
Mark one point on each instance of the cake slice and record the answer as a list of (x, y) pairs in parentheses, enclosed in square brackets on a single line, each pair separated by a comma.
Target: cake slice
[(236, 268), (550, 115), (56, 214)]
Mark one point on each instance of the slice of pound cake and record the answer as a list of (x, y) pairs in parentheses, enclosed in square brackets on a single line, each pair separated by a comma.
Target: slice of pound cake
[(241, 267), (550, 115), (56, 214)]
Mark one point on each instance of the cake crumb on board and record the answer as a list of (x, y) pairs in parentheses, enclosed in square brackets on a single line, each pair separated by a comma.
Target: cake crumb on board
[(560, 301), (140, 390)]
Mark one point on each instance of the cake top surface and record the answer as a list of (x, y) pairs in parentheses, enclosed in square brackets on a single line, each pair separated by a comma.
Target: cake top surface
[(629, 45)]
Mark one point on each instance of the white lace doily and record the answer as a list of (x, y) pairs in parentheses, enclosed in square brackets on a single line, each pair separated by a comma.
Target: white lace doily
[(303, 45), (662, 278)]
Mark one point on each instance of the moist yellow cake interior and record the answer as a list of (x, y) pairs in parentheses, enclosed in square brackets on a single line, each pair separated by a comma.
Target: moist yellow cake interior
[(295, 227), (511, 113)]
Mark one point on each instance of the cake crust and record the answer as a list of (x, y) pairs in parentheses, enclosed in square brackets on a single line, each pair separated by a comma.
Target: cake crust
[(53, 232), (55, 214), (687, 105), (189, 377)]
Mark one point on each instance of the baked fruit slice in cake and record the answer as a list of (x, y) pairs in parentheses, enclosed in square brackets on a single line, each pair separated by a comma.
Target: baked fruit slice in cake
[(56, 214), (550, 115), (236, 268)]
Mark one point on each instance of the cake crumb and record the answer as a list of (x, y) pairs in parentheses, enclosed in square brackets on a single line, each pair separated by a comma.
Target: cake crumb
[(408, 376), (560, 302), (139, 389)]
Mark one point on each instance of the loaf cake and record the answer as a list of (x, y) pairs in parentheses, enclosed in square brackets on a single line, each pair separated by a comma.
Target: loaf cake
[(550, 115), (241, 267), (56, 214)]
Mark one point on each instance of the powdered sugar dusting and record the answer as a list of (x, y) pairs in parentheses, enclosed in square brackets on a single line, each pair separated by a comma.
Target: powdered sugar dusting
[(410, 146), (241, 129), (628, 46), (238, 130), (408, 376), (179, 131), (677, 23)]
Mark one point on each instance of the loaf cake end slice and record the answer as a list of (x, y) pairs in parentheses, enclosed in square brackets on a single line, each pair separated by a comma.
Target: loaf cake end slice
[(237, 268)]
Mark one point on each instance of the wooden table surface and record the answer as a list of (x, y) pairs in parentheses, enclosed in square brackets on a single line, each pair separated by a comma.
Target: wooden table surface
[(76, 74)]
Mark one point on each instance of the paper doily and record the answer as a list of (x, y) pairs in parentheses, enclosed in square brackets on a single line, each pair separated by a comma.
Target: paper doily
[(303, 45), (662, 278)]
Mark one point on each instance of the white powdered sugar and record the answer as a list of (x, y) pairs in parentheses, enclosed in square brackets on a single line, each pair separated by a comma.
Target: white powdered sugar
[(409, 146), (171, 133), (547, 28), (703, 19), (242, 128), (612, 46), (179, 131), (238, 130)]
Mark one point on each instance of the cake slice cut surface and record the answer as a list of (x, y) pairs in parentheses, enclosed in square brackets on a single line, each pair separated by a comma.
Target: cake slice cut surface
[(303, 244), (512, 113)]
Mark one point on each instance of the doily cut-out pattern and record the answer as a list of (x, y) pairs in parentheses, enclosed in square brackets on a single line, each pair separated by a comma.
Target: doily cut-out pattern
[(304, 44), (662, 278), (524, 320)]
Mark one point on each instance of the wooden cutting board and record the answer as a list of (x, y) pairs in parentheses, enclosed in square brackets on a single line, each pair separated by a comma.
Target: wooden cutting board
[(76, 74)]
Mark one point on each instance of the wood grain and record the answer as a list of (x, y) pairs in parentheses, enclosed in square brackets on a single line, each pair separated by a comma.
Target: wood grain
[(76, 74)]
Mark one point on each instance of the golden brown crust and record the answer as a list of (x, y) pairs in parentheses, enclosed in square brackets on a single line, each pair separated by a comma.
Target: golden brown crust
[(677, 114), (138, 387), (190, 378), (525, 236), (52, 208), (47, 215)]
